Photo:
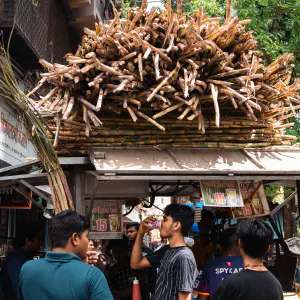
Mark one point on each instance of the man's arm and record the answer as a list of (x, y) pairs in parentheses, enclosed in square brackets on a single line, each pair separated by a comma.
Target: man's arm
[(184, 295), (98, 287), (137, 259)]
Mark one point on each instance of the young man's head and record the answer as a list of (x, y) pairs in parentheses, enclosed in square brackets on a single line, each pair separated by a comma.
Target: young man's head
[(177, 220), (132, 230), (228, 242), (69, 231), (255, 237), (207, 221), (29, 237)]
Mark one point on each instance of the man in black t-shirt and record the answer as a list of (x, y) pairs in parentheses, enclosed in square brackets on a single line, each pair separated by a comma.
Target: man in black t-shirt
[(176, 262), (255, 282)]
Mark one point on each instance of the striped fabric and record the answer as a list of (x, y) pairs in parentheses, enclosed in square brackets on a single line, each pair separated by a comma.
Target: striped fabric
[(177, 272)]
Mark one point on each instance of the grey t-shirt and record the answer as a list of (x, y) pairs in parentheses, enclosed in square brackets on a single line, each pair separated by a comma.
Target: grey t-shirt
[(177, 271)]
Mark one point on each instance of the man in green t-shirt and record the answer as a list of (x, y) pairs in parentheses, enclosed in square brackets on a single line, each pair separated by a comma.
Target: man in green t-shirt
[(62, 274)]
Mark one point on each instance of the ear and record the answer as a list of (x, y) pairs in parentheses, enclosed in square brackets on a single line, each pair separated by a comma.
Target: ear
[(177, 226), (239, 243), (75, 239), (269, 248)]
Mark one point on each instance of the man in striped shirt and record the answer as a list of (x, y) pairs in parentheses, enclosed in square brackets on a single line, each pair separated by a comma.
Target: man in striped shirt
[(176, 262)]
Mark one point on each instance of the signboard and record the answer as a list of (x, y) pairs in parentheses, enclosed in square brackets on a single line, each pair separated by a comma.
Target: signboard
[(9, 198), (13, 138), (255, 200), (107, 220), (225, 193)]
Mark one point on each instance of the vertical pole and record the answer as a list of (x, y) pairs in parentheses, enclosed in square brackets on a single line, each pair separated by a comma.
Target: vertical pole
[(228, 8)]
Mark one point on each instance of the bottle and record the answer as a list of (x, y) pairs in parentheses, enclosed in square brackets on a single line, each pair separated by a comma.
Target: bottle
[(136, 292)]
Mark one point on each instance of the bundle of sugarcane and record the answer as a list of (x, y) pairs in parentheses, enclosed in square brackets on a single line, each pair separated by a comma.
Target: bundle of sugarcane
[(37, 134), (159, 65)]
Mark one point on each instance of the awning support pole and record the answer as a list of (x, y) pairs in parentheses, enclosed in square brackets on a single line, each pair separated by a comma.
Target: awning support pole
[(286, 201), (90, 209), (29, 198), (35, 190)]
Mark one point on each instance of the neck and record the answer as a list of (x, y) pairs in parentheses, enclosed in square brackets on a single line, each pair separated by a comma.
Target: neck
[(64, 250), (177, 241), (231, 252), (255, 264)]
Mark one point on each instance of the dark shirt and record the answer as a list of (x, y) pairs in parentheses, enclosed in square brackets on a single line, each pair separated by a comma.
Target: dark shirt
[(62, 276), (11, 271), (177, 271), (215, 271), (249, 285)]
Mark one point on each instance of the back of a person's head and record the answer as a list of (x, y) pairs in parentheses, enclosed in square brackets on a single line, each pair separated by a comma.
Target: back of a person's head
[(64, 225), (181, 213), (136, 225), (29, 231), (256, 236), (228, 239)]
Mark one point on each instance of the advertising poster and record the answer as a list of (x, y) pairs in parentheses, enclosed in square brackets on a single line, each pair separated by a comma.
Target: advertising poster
[(106, 220), (255, 200), (224, 193), (9, 198)]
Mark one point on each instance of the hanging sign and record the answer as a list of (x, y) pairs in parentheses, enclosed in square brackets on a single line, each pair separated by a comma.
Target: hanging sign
[(13, 138), (224, 193), (9, 198), (255, 200), (106, 220)]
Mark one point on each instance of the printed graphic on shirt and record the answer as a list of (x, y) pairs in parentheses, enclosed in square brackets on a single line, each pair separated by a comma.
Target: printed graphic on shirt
[(215, 272)]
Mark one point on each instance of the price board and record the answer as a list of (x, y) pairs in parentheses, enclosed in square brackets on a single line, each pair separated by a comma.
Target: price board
[(106, 222), (255, 200), (225, 193)]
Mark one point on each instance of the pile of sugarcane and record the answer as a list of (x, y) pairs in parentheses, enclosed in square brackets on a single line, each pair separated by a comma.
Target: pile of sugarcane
[(36, 133), (160, 78)]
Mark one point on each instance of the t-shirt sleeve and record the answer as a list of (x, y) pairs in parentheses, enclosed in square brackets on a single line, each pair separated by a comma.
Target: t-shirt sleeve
[(185, 274), (98, 287), (222, 293), (154, 258)]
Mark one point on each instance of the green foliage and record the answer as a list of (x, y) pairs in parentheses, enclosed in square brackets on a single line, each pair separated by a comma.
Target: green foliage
[(278, 193), (214, 8), (295, 130), (276, 26)]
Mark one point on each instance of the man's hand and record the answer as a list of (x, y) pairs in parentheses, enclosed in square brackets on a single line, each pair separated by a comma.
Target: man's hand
[(144, 227), (92, 257)]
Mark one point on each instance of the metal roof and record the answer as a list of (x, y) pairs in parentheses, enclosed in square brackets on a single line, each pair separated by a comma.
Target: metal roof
[(278, 163)]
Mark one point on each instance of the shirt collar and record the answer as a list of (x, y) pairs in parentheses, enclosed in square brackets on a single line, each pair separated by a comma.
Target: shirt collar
[(61, 256)]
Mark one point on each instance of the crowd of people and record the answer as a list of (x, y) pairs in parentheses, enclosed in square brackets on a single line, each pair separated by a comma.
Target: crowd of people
[(77, 268)]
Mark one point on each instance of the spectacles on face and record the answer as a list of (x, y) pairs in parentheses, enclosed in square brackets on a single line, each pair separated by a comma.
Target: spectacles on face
[(130, 231)]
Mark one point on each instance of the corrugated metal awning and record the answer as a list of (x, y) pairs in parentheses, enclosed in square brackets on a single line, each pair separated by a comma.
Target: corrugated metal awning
[(280, 163)]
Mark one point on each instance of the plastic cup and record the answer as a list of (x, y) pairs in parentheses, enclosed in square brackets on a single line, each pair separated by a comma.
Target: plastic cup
[(155, 225)]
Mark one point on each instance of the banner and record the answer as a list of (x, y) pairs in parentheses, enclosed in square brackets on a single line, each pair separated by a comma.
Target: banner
[(106, 220), (9, 198), (13, 138), (255, 200), (224, 193)]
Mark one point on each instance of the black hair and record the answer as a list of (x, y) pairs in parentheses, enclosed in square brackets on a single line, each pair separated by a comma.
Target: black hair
[(133, 224), (205, 214), (181, 213), (228, 238), (256, 236), (29, 231), (124, 243), (64, 225)]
